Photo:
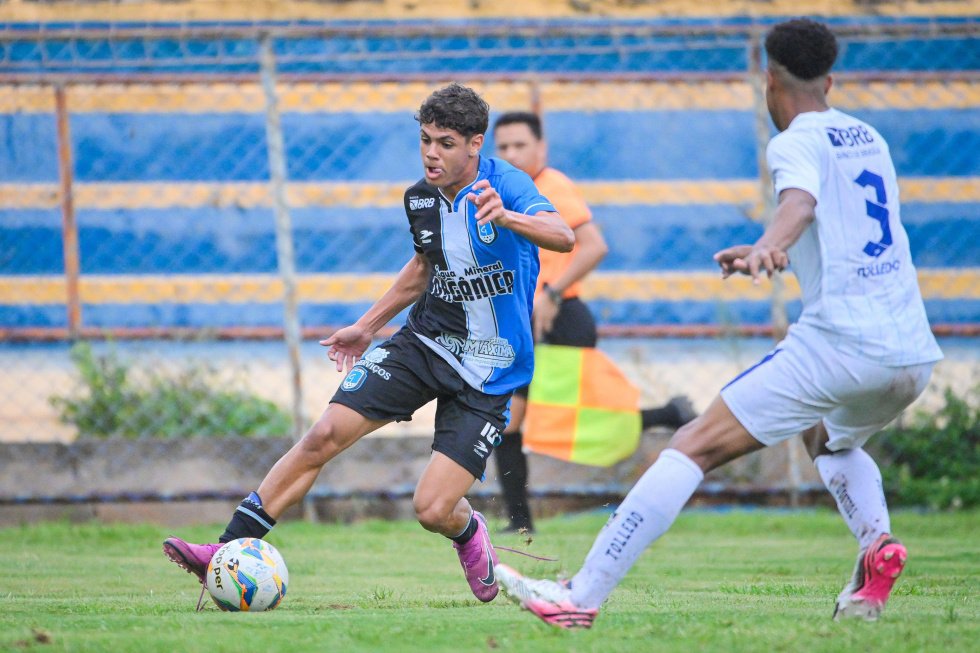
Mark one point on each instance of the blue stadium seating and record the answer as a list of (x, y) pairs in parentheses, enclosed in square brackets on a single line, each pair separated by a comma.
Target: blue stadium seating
[(371, 144)]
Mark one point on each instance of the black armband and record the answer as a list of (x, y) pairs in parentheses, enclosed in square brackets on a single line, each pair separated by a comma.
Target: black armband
[(553, 294)]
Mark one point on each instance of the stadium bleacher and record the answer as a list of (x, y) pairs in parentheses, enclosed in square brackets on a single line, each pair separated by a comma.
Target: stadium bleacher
[(171, 193)]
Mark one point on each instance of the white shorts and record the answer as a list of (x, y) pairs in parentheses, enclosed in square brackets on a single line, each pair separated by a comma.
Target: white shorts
[(805, 380)]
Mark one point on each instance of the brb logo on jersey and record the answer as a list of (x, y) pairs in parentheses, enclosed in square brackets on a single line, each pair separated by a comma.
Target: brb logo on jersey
[(849, 136), (416, 203)]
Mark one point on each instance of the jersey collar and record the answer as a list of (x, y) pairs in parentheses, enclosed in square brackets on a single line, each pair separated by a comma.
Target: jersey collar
[(806, 117)]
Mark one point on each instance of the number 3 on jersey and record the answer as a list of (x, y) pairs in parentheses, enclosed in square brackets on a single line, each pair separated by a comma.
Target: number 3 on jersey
[(876, 211)]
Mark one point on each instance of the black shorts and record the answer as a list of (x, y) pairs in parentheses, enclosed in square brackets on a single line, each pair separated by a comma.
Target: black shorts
[(402, 374), (574, 326)]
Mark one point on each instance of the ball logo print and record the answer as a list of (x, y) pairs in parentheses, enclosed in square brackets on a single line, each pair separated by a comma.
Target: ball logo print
[(247, 575)]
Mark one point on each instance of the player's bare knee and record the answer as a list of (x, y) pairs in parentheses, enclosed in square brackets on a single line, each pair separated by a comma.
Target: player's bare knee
[(432, 515)]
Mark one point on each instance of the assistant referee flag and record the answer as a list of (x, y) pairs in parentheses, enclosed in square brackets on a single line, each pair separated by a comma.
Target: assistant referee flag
[(581, 407)]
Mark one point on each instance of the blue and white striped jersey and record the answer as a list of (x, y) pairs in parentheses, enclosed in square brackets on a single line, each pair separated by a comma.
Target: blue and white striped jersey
[(476, 313)]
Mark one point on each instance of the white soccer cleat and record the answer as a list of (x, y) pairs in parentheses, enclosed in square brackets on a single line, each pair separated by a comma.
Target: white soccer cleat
[(548, 600)]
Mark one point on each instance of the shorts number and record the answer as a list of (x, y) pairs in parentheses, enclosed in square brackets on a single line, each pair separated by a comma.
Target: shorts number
[(876, 211)]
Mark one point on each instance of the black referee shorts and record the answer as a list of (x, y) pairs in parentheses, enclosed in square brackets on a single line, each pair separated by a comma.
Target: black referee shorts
[(399, 376)]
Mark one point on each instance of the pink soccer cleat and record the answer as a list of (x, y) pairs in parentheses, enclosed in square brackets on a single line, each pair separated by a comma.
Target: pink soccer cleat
[(874, 576), (194, 558), (548, 600), (478, 559)]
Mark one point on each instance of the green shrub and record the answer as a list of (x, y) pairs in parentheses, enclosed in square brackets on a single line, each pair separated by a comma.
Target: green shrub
[(934, 460), (193, 403)]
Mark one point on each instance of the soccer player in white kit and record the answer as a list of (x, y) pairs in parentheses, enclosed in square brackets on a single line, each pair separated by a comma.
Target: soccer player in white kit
[(860, 353)]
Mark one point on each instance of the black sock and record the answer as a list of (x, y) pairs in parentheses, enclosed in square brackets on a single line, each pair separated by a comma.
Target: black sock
[(249, 520), (512, 470), (666, 415), (467, 533)]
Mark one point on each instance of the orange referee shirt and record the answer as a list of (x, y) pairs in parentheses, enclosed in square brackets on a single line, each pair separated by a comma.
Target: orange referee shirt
[(567, 198)]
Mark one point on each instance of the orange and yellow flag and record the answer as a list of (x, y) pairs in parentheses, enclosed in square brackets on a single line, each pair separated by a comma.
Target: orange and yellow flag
[(581, 407)]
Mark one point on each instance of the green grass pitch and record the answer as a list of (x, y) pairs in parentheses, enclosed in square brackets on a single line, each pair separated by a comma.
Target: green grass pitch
[(732, 581)]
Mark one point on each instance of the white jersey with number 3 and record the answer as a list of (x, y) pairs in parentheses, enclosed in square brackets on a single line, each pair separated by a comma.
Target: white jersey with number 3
[(853, 262)]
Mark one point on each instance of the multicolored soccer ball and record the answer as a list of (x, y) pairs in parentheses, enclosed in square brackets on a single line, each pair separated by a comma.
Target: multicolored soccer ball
[(247, 575)]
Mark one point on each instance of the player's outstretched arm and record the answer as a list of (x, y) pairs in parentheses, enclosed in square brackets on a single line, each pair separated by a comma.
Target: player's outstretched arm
[(545, 229), (347, 345), (795, 212)]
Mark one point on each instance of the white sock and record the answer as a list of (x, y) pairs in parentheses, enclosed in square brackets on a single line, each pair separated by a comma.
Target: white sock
[(645, 514), (852, 476)]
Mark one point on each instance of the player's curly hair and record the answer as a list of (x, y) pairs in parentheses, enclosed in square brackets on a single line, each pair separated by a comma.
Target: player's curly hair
[(806, 48), (456, 107)]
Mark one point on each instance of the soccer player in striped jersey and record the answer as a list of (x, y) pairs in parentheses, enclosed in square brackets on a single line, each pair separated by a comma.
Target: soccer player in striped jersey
[(476, 223)]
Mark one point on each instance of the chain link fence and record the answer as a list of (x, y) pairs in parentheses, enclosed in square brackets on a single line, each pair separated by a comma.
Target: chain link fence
[(185, 209)]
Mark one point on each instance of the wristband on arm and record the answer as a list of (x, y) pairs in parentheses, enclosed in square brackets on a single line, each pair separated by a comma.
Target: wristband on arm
[(553, 294)]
